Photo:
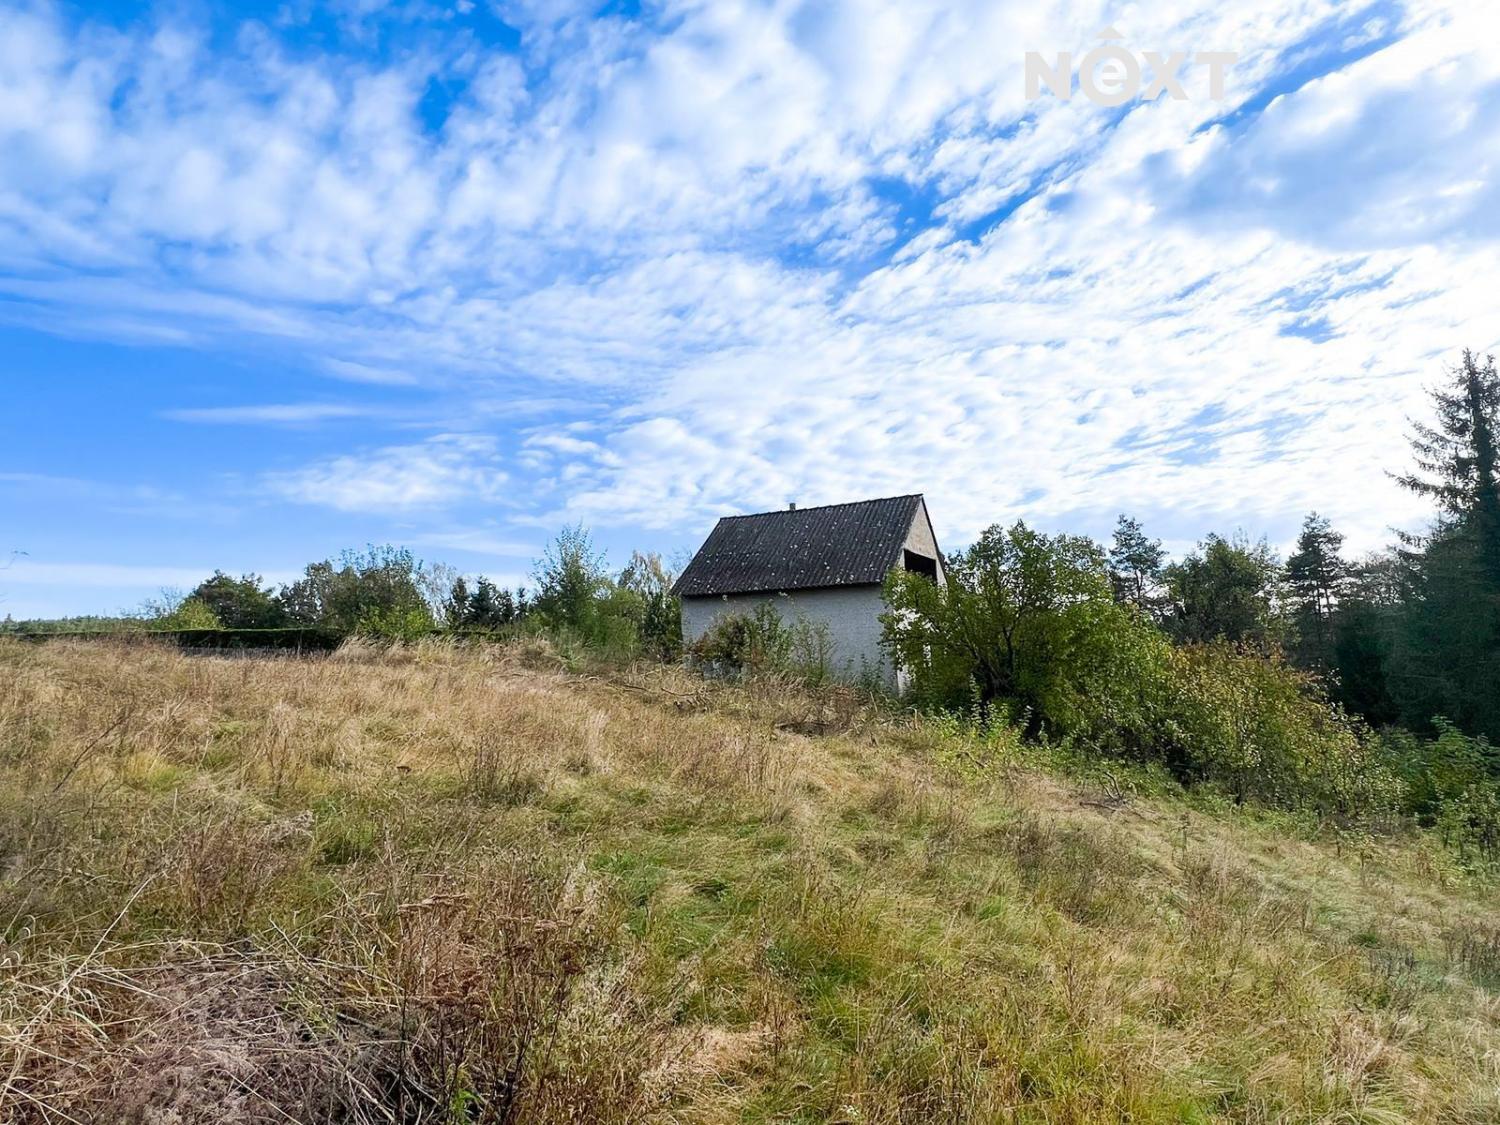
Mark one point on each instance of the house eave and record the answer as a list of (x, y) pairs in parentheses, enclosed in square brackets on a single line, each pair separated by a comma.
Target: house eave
[(787, 590)]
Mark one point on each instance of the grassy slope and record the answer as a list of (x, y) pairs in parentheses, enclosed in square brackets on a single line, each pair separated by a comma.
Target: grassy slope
[(398, 886)]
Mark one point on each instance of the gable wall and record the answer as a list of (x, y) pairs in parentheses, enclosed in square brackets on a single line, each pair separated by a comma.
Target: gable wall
[(920, 539)]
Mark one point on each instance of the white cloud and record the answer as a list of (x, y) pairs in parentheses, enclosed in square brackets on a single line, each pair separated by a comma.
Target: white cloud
[(444, 470), (368, 373), (290, 413), (477, 541), (685, 231)]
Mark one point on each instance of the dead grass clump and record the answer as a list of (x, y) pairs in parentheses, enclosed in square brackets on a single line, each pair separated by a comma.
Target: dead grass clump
[(222, 1041), (498, 770), (502, 998), (215, 871), (1474, 948), (1077, 869), (194, 1037), (536, 654), (748, 765)]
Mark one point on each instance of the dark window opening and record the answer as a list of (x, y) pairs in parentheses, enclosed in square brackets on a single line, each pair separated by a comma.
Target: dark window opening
[(919, 564)]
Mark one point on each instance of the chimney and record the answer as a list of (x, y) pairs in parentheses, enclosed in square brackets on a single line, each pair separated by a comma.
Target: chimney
[(792, 507)]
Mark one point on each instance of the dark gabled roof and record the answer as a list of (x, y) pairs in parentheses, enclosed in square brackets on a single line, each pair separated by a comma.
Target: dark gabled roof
[(801, 548)]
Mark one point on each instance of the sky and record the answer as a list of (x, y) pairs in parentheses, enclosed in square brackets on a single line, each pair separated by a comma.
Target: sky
[(279, 279)]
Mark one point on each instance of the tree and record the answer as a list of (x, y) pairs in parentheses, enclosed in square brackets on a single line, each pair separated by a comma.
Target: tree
[(1135, 566), (1225, 590), (240, 603), (378, 591), (1458, 459), (484, 606), (435, 581), (308, 601), (1367, 616), (1446, 654), (570, 577), (1316, 578), (1025, 618), (508, 605), (657, 612), (456, 605), (491, 606)]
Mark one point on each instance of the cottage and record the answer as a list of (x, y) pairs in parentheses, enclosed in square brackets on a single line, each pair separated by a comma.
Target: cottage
[(823, 565)]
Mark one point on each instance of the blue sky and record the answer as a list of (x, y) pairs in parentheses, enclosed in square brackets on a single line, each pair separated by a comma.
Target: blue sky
[(278, 279)]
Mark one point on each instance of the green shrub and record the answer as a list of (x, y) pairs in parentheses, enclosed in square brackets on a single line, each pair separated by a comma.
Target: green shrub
[(762, 642), (191, 613), (1027, 631), (1266, 732), (1451, 783)]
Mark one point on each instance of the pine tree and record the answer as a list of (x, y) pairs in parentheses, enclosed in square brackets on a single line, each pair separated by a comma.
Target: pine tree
[(456, 608), (1316, 577), (484, 605), (505, 606), (1135, 566)]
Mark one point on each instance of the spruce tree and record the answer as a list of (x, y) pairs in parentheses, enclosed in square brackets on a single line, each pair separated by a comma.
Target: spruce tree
[(1447, 659), (1458, 459), (484, 605), (456, 608)]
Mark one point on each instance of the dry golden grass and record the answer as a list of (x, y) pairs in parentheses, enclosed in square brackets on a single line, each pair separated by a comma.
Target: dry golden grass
[(438, 884)]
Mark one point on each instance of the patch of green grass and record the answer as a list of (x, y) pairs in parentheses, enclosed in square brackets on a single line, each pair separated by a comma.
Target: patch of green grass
[(345, 831)]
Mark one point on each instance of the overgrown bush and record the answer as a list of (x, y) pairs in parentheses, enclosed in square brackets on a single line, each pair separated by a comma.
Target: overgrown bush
[(1027, 631), (1450, 783), (619, 617), (763, 642), (1266, 732), (191, 613)]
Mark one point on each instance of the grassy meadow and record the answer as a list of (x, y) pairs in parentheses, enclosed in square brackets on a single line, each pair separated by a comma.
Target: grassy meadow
[(443, 884)]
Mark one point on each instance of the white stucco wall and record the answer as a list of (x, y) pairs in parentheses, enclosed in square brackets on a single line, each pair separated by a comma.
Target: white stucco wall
[(852, 614)]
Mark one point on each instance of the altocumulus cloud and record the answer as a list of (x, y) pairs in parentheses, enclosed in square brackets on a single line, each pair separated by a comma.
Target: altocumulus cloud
[(750, 251)]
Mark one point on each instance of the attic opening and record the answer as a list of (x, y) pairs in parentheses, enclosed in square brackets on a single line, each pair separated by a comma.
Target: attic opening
[(919, 564)]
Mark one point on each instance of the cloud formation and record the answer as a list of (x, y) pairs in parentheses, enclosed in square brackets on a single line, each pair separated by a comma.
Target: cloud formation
[(437, 472), (743, 253)]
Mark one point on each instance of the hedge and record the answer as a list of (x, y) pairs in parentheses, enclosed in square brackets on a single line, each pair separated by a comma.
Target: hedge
[(301, 640)]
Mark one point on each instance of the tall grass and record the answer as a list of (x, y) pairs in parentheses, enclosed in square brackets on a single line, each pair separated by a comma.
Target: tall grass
[(434, 883)]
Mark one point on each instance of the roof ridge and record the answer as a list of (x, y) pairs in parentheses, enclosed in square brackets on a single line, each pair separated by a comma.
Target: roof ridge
[(820, 507)]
